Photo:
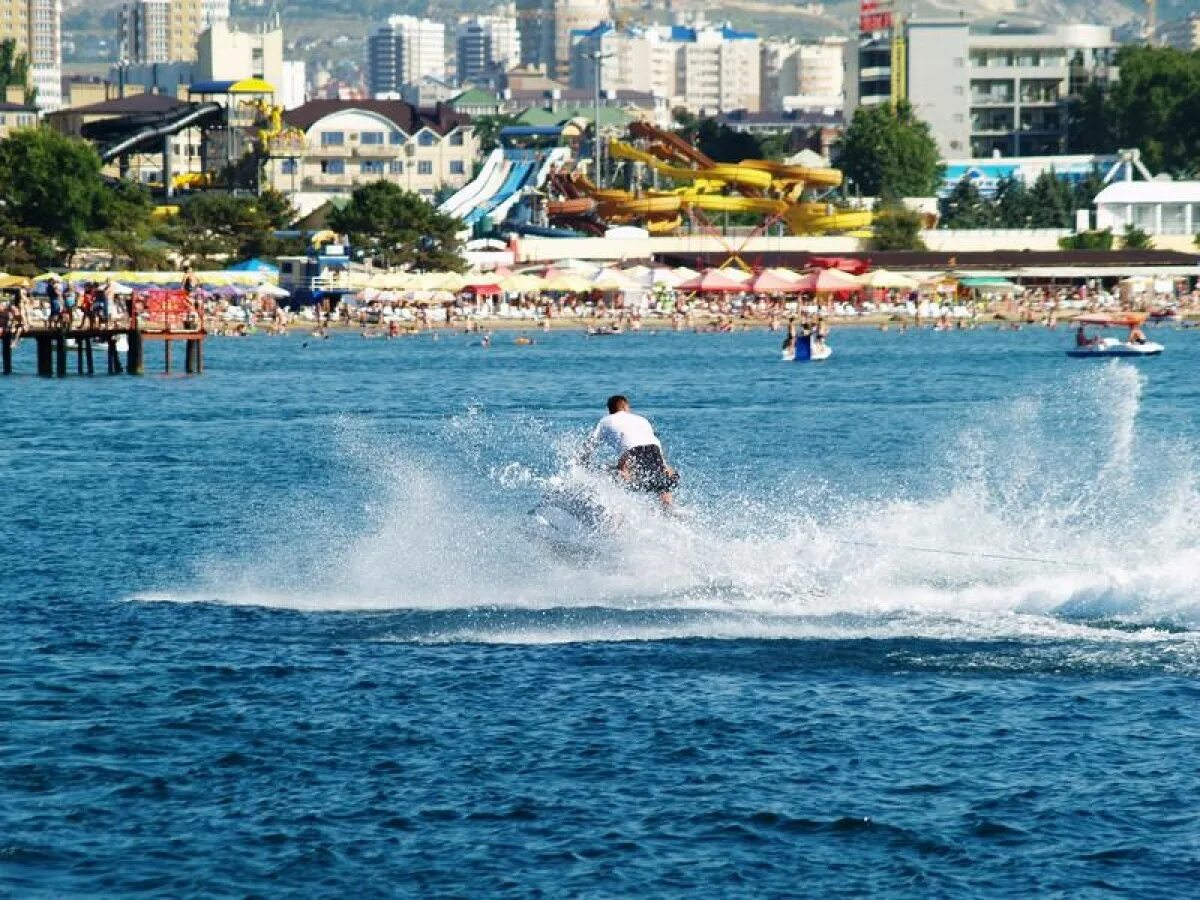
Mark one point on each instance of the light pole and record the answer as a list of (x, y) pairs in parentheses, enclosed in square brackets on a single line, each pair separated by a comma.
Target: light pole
[(599, 58)]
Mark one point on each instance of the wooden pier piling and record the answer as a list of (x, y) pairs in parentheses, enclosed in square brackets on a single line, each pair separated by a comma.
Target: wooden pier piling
[(6, 353), (52, 350)]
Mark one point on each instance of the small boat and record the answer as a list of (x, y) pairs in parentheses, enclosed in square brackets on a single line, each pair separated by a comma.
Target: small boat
[(604, 331), (1105, 347), (807, 348), (101, 343)]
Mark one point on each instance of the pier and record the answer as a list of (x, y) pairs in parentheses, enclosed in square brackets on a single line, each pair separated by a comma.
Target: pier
[(56, 346)]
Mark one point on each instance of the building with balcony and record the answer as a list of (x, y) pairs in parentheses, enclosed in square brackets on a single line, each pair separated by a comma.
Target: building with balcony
[(1159, 208), (803, 75), (1182, 34), (329, 147), (1002, 89), (35, 28), (547, 30), (159, 31)]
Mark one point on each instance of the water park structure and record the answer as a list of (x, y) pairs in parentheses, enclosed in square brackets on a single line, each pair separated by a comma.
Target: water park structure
[(534, 185)]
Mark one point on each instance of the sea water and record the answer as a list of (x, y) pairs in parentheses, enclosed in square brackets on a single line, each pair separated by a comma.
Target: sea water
[(930, 626)]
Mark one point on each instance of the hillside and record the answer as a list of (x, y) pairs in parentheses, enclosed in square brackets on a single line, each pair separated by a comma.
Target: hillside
[(331, 32)]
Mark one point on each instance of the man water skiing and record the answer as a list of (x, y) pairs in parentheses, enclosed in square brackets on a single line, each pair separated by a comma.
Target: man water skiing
[(640, 460)]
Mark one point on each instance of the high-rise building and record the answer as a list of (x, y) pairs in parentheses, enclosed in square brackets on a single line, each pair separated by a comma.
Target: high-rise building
[(35, 28), (402, 52), (1002, 89), (548, 28), (155, 31), (486, 45), (706, 70), (803, 75)]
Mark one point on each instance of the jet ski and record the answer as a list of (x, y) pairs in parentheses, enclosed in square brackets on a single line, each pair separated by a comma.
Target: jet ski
[(571, 520), (807, 348)]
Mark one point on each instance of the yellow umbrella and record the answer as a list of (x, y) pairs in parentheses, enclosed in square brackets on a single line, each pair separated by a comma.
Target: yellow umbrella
[(568, 284), (521, 284), (8, 282)]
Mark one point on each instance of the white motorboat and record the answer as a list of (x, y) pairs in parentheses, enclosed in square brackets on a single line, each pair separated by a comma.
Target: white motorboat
[(1102, 347)]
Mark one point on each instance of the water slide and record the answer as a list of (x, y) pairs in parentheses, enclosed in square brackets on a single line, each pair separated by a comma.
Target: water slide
[(518, 173), (554, 160), (138, 133), (481, 189)]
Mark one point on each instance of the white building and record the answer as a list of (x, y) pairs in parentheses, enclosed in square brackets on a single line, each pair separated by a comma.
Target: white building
[(45, 52), (404, 51), (706, 70), (998, 89), (486, 45), (803, 75), (1159, 208), (292, 89), (334, 146)]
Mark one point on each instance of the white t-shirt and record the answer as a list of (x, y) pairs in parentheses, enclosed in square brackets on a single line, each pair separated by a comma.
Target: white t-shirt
[(623, 431)]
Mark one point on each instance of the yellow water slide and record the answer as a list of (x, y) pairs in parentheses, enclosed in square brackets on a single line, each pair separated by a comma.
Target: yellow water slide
[(766, 188)]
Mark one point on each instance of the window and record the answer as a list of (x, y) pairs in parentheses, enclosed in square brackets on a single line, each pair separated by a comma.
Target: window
[(456, 139), (333, 138), (333, 167), (396, 167), (396, 138), (457, 167), (426, 139), (371, 138), (425, 167), (371, 167), (289, 167)]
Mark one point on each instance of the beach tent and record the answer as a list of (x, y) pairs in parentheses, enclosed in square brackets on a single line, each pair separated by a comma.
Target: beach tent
[(991, 284), (887, 280), (521, 283), (567, 283), (771, 282), (260, 266), (829, 281), (712, 281)]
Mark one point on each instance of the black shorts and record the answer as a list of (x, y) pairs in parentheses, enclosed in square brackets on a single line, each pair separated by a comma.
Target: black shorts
[(648, 470)]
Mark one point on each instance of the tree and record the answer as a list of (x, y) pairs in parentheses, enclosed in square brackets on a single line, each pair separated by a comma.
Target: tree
[(1136, 239), (897, 228), (1013, 209), (52, 190), (1051, 203), (123, 226), (890, 152), (723, 144), (216, 226), (965, 207), (487, 130), (1088, 240), (398, 228)]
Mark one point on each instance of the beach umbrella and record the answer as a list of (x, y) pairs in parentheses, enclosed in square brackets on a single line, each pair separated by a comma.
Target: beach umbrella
[(567, 283), (712, 281), (521, 284), (882, 278), (769, 282), (8, 282), (614, 280), (828, 281)]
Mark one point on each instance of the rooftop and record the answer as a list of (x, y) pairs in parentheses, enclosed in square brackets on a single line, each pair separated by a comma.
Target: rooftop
[(129, 106), (1150, 192), (408, 118)]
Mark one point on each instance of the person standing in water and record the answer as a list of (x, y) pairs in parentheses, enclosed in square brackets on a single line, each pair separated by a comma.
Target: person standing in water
[(640, 460)]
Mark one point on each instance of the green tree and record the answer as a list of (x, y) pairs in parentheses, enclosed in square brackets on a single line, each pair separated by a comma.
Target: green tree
[(723, 144), (897, 228), (217, 226), (487, 130), (1088, 240), (1135, 239), (1012, 204), (890, 152), (965, 207), (1090, 127), (398, 228), (1051, 203), (52, 189), (122, 225)]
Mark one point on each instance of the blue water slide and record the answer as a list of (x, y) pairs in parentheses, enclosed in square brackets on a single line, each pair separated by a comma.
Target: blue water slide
[(512, 184)]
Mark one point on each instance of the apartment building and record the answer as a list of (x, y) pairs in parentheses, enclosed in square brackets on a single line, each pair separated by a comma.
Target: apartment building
[(159, 31), (803, 74), (707, 70), (35, 28), (547, 30), (336, 145), (486, 46), (1001, 89), (1182, 34), (402, 52)]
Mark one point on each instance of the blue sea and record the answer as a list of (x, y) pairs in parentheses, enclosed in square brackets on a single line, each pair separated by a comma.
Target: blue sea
[(928, 624)]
